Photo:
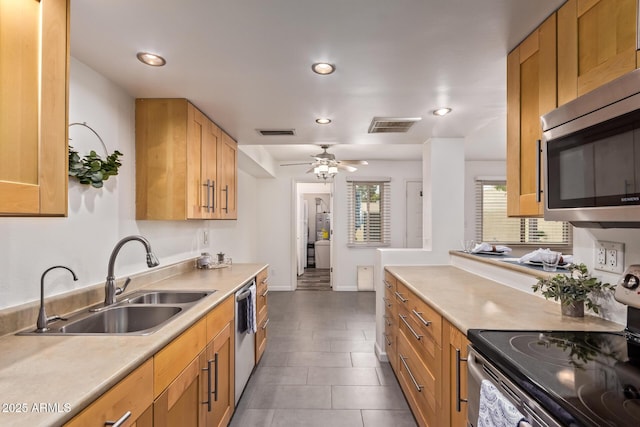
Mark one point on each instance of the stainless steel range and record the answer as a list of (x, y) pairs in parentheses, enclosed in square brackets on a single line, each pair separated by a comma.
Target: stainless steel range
[(564, 378)]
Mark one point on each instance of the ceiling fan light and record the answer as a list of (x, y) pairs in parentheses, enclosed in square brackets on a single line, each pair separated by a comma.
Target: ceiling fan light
[(333, 170), (323, 168)]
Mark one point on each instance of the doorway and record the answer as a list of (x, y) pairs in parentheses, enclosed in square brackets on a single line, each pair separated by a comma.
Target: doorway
[(314, 231)]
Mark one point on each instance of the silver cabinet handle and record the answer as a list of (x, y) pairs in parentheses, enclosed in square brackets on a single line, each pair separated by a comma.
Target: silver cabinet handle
[(213, 195), (399, 295), (387, 284), (207, 205), (386, 302), (538, 171), (265, 293), (415, 334), (386, 339), (265, 324), (413, 379), (266, 280), (120, 421), (387, 321), (459, 400), (226, 198), (419, 316), (215, 384), (208, 369)]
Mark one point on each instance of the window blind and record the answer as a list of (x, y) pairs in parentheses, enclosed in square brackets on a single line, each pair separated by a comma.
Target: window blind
[(369, 208), (493, 225)]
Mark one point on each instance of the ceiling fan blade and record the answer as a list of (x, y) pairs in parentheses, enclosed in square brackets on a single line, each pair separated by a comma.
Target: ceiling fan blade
[(353, 162), (295, 164), (310, 170), (347, 168)]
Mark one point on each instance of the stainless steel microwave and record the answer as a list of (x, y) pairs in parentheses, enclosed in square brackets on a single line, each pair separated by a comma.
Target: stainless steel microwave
[(591, 157)]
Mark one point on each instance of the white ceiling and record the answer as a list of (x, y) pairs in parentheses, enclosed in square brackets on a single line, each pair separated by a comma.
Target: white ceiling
[(247, 65)]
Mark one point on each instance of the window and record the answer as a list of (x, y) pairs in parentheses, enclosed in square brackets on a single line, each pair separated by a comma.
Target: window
[(369, 212), (493, 225)]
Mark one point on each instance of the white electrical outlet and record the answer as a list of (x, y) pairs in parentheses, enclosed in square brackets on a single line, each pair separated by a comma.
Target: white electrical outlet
[(609, 256), (205, 237)]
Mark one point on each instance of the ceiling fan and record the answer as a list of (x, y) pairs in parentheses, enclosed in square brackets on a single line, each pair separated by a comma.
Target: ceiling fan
[(326, 166)]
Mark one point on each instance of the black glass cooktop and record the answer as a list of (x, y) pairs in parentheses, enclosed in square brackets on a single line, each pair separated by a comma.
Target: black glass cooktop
[(582, 378)]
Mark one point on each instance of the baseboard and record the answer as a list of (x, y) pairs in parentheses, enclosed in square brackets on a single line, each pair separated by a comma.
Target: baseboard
[(276, 288), (381, 355), (352, 288)]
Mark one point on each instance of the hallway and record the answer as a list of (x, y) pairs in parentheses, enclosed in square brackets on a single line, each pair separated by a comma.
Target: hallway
[(316, 279), (319, 368)]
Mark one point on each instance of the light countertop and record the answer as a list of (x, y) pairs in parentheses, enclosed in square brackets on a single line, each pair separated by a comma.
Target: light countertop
[(469, 301), (72, 371)]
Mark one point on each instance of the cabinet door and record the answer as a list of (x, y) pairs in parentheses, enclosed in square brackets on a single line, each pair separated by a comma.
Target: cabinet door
[(180, 403), (221, 352), (132, 394), (202, 152), (454, 365), (531, 92), (33, 107), (597, 42), (227, 177)]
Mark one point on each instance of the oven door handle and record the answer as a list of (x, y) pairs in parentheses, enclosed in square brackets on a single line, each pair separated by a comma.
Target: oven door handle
[(538, 171)]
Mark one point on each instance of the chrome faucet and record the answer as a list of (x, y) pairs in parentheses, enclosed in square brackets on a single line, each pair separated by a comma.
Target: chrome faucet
[(43, 320), (110, 289)]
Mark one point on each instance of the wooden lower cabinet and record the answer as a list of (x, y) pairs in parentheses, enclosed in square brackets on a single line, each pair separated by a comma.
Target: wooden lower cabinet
[(455, 366), (194, 374), (133, 394), (262, 318), (428, 355)]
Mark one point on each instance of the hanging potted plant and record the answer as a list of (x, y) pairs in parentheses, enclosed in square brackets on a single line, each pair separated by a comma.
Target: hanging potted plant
[(573, 290)]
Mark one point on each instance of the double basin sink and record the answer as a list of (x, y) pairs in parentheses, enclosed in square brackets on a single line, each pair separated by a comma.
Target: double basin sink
[(140, 313)]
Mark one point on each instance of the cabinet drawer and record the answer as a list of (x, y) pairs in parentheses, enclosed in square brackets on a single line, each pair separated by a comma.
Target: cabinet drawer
[(177, 355), (134, 393), (419, 382), (424, 345), (219, 317), (402, 298), (261, 333), (427, 319), (389, 281)]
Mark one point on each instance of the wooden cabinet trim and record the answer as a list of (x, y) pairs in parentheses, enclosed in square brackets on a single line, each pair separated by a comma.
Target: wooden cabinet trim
[(177, 355), (133, 393)]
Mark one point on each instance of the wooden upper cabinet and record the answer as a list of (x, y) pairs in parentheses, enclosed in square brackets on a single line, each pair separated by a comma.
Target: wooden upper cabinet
[(178, 168), (531, 92), (597, 42), (227, 178), (34, 63)]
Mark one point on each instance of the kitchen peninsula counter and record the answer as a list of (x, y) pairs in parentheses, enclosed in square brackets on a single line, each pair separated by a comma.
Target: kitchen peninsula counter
[(469, 301), (46, 380)]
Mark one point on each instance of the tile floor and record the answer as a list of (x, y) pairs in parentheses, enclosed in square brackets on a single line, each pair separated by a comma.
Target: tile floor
[(319, 368)]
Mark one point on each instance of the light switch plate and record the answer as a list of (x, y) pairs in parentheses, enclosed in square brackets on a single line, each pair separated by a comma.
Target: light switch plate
[(609, 256)]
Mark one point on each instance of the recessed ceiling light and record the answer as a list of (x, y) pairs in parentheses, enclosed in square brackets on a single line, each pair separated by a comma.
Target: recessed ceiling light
[(323, 68), (151, 59), (441, 111), (323, 121)]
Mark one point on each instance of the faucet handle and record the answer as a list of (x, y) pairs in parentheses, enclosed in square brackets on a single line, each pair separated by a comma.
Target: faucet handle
[(126, 283)]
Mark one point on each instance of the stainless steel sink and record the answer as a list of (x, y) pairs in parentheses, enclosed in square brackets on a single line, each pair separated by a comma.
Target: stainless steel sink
[(166, 297), (140, 313), (122, 320)]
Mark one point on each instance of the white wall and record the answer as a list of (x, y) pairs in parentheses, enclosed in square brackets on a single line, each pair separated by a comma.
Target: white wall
[(98, 218), (277, 227)]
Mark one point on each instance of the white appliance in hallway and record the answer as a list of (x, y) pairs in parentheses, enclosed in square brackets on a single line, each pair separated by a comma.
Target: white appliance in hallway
[(323, 226), (323, 253)]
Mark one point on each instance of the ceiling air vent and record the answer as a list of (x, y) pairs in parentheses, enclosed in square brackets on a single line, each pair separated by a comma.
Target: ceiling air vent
[(392, 124), (277, 132)]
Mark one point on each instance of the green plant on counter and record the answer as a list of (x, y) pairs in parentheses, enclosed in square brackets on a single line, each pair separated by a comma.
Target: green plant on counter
[(91, 169), (576, 287)]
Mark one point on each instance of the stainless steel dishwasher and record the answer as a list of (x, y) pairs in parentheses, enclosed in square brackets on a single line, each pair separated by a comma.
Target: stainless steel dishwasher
[(245, 337)]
